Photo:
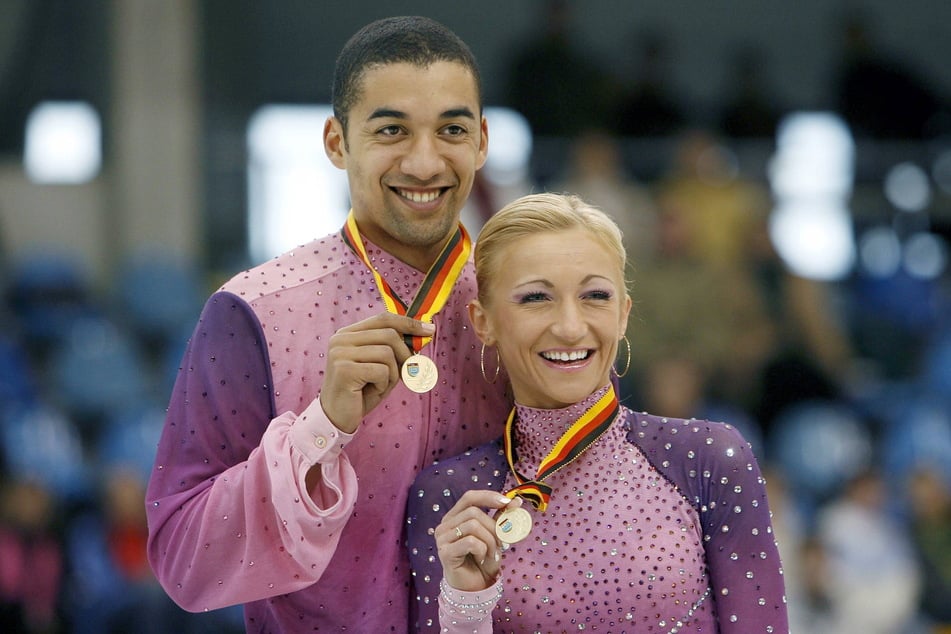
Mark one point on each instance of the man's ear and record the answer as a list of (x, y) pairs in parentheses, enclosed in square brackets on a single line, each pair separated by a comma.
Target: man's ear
[(335, 145), (483, 144), (480, 323)]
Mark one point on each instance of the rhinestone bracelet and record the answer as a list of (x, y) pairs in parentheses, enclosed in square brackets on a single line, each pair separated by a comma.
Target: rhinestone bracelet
[(482, 608)]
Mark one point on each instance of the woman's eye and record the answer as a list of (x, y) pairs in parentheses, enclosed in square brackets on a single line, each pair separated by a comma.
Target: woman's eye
[(532, 298), (599, 295)]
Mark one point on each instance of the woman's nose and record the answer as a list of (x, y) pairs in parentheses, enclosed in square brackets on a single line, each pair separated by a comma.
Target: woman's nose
[(570, 324)]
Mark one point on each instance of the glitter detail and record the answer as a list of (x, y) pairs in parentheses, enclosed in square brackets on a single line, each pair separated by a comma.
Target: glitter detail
[(630, 534), (259, 351)]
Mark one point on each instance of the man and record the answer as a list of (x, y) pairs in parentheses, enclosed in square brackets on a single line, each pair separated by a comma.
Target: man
[(301, 414)]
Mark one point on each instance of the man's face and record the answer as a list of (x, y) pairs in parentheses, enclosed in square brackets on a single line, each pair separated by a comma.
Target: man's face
[(414, 141)]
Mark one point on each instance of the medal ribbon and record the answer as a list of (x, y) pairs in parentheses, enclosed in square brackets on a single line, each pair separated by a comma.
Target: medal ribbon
[(579, 436), (436, 286)]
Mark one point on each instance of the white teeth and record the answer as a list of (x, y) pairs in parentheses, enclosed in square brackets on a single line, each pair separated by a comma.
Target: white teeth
[(574, 355), (420, 197)]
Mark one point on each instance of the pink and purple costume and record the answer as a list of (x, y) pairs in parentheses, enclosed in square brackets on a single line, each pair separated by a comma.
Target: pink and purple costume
[(661, 525), (230, 518)]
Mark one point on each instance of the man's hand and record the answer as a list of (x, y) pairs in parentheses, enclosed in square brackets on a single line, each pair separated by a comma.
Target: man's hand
[(363, 365)]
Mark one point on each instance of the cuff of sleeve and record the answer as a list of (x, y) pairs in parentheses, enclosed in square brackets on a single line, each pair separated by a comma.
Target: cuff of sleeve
[(316, 437), (472, 606)]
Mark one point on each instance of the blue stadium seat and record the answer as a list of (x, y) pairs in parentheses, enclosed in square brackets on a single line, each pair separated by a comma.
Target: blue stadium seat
[(818, 446), (159, 294), (99, 371), (41, 443)]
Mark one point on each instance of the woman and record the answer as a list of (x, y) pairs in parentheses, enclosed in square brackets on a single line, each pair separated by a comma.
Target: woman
[(639, 523)]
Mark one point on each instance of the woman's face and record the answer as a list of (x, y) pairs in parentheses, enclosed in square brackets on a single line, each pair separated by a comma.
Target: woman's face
[(555, 310)]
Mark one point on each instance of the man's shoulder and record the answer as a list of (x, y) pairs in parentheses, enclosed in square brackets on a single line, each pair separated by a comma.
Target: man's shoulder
[(302, 266)]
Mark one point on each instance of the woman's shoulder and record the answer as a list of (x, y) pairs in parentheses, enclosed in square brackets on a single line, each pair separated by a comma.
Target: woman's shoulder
[(662, 433), (482, 467), (692, 452)]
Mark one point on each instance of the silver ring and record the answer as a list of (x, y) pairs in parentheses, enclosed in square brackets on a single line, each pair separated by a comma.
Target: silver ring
[(458, 533)]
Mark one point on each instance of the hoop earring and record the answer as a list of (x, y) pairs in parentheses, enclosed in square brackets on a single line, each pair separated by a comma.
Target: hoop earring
[(627, 366), (498, 365)]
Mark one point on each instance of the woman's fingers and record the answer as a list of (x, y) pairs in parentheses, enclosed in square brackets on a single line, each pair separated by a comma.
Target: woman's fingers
[(466, 541)]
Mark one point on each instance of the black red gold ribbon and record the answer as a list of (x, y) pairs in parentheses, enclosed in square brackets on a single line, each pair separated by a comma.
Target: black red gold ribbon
[(436, 286), (578, 437)]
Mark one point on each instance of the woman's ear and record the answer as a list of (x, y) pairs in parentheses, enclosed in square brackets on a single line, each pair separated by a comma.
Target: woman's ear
[(625, 313), (480, 323)]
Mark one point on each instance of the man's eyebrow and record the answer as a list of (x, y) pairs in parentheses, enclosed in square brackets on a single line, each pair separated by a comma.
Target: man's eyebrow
[(390, 113), (454, 113), (386, 113)]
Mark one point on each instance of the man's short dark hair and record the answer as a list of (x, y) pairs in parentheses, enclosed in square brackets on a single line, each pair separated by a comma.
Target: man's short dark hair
[(412, 39)]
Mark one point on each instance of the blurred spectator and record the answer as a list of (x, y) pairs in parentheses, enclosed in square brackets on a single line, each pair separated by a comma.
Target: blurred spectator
[(810, 601), (648, 106), (879, 95), (721, 205), (31, 559), (552, 82), (930, 523), (750, 110), (685, 307), (597, 173), (673, 386), (873, 575), (789, 528), (112, 588), (700, 294), (806, 353)]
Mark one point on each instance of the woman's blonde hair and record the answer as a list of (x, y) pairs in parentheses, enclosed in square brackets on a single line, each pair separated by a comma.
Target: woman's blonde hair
[(541, 213)]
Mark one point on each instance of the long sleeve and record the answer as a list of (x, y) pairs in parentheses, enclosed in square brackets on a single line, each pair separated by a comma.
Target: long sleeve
[(434, 492), (230, 520), (745, 568), (714, 468), (467, 612)]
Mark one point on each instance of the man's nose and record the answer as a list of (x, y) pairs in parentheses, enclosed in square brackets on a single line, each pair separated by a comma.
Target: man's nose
[(423, 160)]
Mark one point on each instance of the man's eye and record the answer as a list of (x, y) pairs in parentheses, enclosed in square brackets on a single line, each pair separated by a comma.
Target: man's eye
[(390, 130), (455, 130)]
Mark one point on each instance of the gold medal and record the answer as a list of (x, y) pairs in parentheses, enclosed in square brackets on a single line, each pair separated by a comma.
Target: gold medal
[(513, 525), (419, 373)]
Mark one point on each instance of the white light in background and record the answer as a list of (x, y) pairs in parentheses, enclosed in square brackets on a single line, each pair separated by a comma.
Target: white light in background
[(63, 143), (510, 146), (811, 177), (295, 194), (907, 187)]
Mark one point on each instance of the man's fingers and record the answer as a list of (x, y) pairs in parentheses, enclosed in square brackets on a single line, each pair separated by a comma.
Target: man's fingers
[(382, 335)]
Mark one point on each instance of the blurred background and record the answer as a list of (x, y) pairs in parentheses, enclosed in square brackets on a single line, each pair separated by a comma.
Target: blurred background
[(782, 172)]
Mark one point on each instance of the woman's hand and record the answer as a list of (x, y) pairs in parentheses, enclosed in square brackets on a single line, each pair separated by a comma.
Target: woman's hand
[(465, 540)]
